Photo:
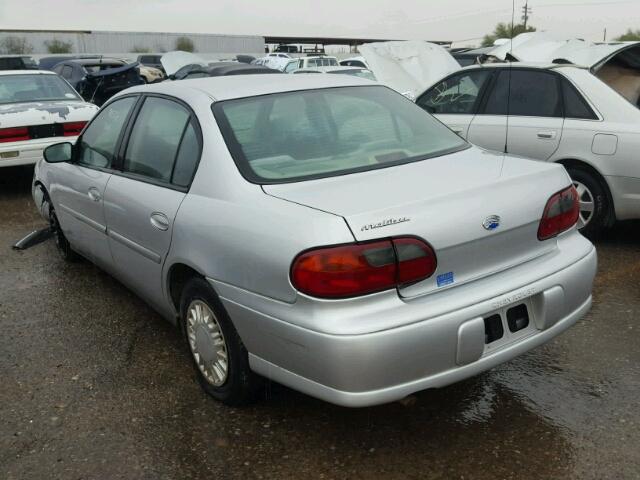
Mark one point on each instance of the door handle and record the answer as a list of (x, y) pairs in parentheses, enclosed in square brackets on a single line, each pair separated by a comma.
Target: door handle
[(456, 130), (547, 135), (94, 194), (159, 220)]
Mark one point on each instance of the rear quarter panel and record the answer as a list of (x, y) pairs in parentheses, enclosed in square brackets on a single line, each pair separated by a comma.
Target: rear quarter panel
[(229, 230)]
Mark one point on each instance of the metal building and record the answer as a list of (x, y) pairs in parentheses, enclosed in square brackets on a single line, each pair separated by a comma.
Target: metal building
[(107, 42)]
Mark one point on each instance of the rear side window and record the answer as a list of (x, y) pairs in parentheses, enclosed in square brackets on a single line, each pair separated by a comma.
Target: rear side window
[(156, 143), (530, 94), (98, 143), (187, 159), (457, 94), (575, 106)]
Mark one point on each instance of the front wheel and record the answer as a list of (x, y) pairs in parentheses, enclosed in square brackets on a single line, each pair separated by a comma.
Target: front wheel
[(62, 244), (220, 359), (594, 202)]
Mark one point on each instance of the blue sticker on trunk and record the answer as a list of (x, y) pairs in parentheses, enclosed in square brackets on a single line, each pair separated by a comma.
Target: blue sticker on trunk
[(444, 279)]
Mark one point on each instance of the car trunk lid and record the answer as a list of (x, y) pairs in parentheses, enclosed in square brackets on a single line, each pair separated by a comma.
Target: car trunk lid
[(449, 202)]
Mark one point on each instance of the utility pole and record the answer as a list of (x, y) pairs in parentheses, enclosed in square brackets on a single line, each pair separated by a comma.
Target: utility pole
[(526, 11)]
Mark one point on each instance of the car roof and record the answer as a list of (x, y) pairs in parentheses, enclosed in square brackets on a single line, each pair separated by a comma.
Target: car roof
[(333, 68), (239, 86), (95, 61), (535, 65), (27, 72)]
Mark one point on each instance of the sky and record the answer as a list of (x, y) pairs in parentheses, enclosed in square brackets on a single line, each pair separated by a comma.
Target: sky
[(462, 21)]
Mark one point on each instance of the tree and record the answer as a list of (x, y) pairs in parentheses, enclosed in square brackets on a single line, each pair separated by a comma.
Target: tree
[(503, 30), (185, 44), (630, 36), (58, 46), (15, 46), (138, 49)]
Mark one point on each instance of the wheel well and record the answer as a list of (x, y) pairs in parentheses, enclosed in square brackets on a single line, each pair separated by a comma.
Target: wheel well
[(179, 275), (568, 163)]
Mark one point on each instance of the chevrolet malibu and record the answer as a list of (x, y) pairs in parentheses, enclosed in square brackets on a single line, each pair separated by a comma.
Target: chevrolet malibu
[(321, 231)]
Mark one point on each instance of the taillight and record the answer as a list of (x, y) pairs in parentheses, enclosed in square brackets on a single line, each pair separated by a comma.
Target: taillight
[(560, 213), (358, 269), (72, 129), (14, 134)]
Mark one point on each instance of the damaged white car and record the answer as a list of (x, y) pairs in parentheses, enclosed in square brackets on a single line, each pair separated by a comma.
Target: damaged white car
[(408, 66), (578, 108), (37, 108)]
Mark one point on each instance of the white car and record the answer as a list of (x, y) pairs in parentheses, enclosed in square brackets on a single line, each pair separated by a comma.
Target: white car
[(277, 61), (37, 108), (355, 71), (319, 61), (556, 113)]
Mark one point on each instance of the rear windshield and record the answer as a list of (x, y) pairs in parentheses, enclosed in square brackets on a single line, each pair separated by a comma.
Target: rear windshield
[(308, 134), (34, 88)]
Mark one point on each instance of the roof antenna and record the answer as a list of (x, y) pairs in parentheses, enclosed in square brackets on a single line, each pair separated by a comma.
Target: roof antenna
[(506, 133)]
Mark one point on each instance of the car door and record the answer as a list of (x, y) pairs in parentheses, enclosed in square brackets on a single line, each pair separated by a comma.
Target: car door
[(531, 100), (488, 129), (141, 201), (78, 191), (535, 113), (454, 100)]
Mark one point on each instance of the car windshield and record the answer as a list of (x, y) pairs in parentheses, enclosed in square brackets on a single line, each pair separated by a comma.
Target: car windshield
[(292, 136), (34, 88), (362, 73)]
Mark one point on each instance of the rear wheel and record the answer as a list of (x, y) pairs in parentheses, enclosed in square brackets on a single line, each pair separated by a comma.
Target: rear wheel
[(62, 244), (220, 359), (594, 202)]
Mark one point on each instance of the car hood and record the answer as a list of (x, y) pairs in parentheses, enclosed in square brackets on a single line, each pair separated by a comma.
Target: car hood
[(549, 48), (174, 61), (39, 113), (448, 201), (408, 66)]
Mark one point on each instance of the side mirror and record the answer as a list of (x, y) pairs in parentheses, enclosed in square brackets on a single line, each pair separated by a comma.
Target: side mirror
[(58, 153)]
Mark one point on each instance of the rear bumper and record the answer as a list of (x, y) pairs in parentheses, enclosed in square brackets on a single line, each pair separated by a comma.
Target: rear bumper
[(27, 152), (432, 351), (626, 196)]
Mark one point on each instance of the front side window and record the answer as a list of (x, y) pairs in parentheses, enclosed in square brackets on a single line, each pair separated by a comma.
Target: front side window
[(526, 93), (155, 139), (97, 146), (34, 88), (291, 66), (457, 94), (319, 133)]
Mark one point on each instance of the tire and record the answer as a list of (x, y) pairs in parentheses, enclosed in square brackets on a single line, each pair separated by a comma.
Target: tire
[(62, 244), (214, 344), (594, 202)]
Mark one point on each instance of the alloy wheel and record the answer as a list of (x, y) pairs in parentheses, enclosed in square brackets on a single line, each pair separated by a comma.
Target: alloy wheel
[(207, 343), (587, 204)]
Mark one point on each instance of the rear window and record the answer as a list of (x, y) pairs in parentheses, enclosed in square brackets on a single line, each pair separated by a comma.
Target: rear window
[(293, 136), (34, 88)]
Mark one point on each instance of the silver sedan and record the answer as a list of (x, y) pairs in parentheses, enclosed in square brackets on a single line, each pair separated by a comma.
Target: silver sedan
[(321, 231)]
